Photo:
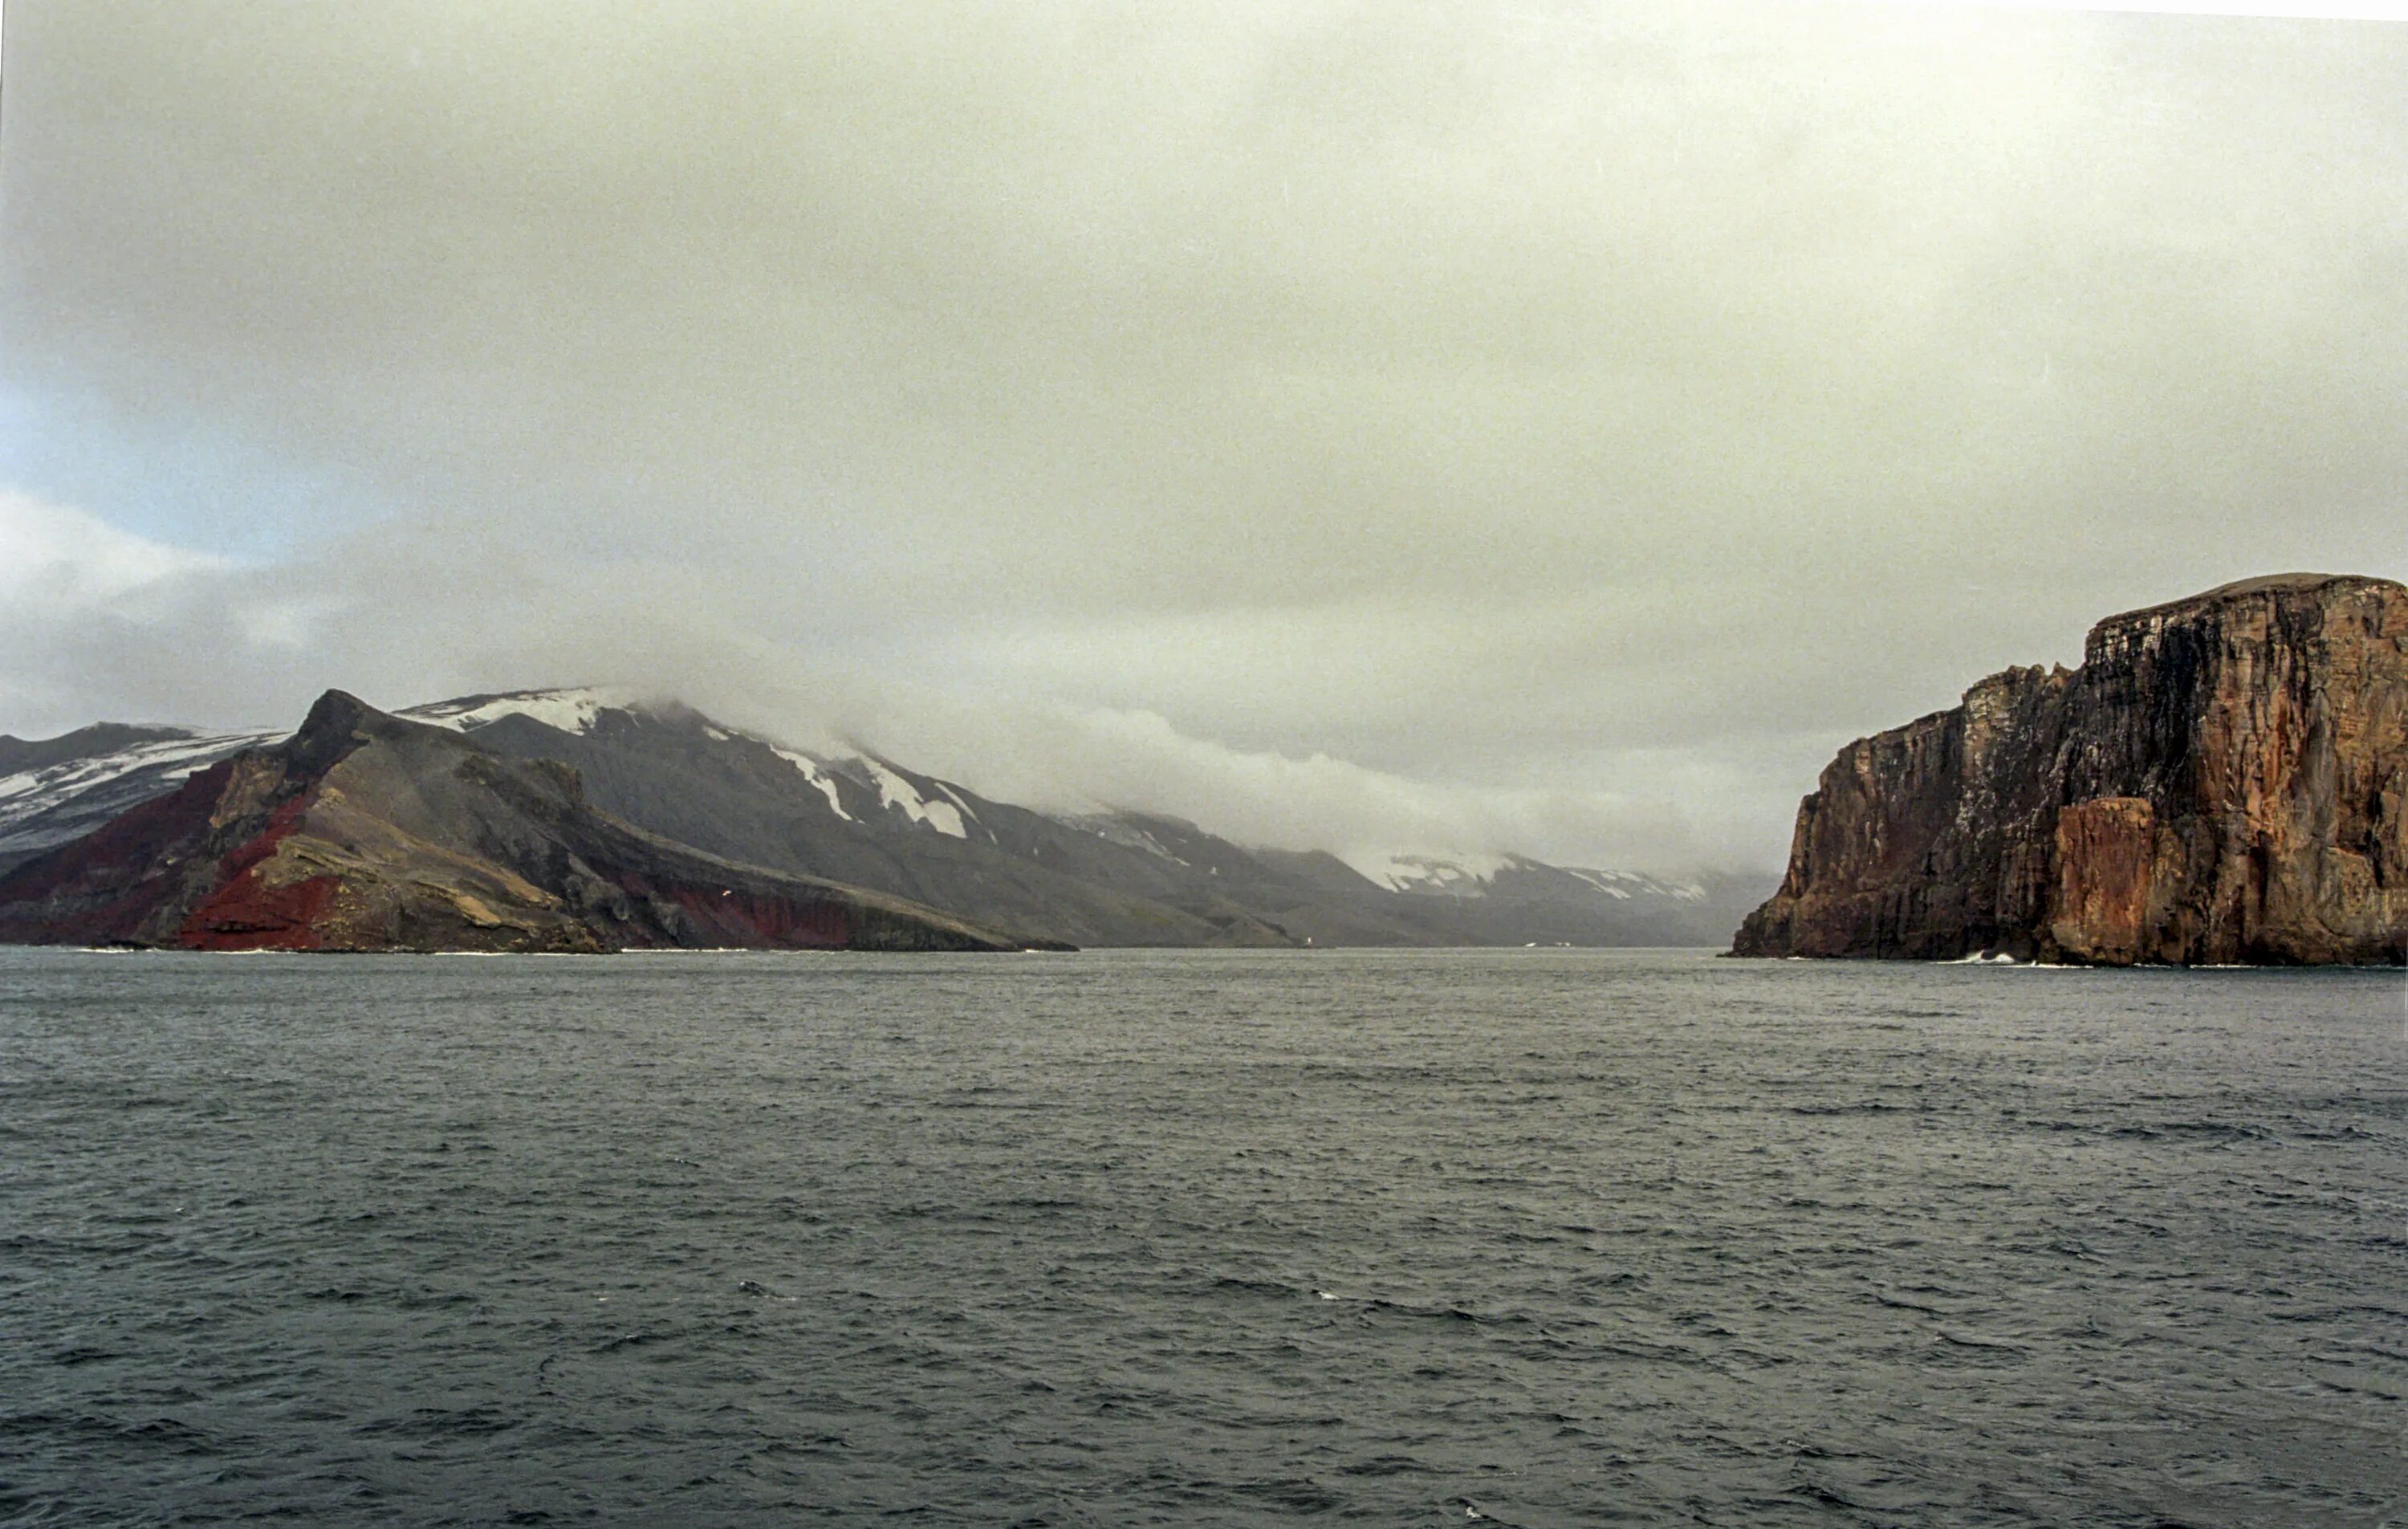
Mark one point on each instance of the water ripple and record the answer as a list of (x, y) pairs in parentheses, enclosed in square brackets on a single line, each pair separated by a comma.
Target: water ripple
[(1522, 1238)]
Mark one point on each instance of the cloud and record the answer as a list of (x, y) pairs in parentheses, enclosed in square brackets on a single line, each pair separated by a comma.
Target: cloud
[(95, 605), (1085, 758), (63, 564), (1532, 404), (72, 587)]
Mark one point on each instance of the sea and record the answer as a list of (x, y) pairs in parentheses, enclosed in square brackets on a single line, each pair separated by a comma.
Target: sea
[(1521, 1238)]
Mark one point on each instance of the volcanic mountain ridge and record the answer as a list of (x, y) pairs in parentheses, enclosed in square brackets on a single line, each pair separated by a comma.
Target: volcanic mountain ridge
[(1097, 877), (367, 832)]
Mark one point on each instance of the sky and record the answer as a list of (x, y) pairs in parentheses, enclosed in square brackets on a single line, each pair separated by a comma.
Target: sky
[(1384, 425)]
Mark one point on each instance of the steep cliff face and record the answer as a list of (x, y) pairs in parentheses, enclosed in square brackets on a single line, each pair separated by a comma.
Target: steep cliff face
[(2225, 779)]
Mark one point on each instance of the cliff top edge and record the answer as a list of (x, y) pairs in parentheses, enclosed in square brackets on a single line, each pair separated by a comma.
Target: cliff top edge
[(2281, 583)]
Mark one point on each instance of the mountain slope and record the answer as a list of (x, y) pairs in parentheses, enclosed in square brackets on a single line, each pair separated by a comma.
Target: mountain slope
[(367, 832), (1121, 878), (862, 820)]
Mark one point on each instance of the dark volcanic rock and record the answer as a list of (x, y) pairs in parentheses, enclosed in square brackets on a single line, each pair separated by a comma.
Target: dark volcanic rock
[(365, 831), (2224, 779)]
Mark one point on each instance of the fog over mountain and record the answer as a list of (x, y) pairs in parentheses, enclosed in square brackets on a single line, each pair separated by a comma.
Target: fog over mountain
[(1543, 427)]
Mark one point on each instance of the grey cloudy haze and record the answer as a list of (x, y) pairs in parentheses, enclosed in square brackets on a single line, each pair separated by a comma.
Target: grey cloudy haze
[(1510, 425)]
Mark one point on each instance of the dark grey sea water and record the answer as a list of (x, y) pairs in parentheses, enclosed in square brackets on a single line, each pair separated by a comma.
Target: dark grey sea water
[(1536, 1238)]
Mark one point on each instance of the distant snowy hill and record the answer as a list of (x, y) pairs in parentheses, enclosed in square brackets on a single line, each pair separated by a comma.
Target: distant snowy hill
[(62, 788), (1513, 876), (1100, 878)]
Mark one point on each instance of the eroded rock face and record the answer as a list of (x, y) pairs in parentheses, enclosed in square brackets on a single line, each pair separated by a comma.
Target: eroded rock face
[(2106, 868), (2225, 779)]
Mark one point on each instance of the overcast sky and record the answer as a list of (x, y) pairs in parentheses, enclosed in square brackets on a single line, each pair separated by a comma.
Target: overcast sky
[(1500, 426)]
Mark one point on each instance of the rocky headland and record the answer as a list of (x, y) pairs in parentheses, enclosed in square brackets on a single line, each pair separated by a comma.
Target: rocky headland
[(2224, 779)]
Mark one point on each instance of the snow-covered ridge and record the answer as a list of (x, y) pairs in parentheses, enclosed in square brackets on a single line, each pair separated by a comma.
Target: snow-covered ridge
[(1622, 885), (173, 758), (577, 710), (1456, 875), (53, 803), (569, 710)]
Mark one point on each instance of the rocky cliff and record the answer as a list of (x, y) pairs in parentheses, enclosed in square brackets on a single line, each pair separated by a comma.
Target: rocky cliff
[(365, 831), (2225, 779)]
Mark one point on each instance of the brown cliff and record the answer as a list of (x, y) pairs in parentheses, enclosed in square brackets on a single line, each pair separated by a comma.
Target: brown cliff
[(2224, 779), (364, 832)]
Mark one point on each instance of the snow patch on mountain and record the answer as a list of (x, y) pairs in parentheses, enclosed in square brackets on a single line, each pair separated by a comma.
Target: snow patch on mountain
[(817, 776), (1457, 875), (1603, 881), (569, 710), (967, 811), (1113, 828), (1448, 874), (896, 792), (1623, 885)]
